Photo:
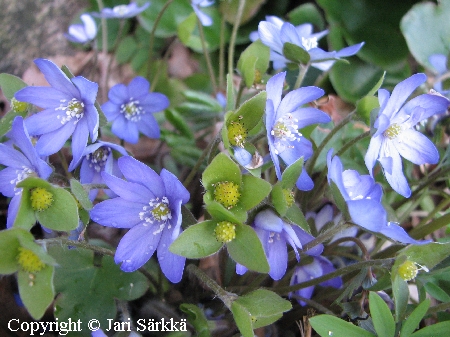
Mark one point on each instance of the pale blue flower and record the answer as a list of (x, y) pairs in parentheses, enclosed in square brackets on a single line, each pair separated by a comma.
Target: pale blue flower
[(274, 33), (205, 19), (284, 117), (122, 11), (363, 198), (274, 234), (21, 161), (396, 136), (150, 206), (68, 110), (439, 64), (82, 33), (130, 109)]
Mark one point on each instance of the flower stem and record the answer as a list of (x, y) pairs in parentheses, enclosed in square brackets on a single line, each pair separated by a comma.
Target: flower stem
[(104, 28), (303, 68), (237, 22), (222, 55), (206, 54)]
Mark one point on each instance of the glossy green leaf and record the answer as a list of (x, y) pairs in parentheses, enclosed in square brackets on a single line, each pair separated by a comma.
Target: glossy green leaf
[(9, 245), (440, 329), (365, 106), (36, 291), (427, 30), (197, 241), (381, 316), (296, 54), (413, 320), (247, 249), (243, 319), (327, 325), (197, 318), (10, 84), (80, 194), (87, 290), (254, 191), (401, 295)]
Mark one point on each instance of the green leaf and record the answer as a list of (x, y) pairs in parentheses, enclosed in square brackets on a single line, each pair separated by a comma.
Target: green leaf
[(381, 316), (243, 319), (428, 255), (126, 49), (327, 325), (37, 293), (436, 330), (80, 194), (254, 58), (291, 174), (254, 190), (306, 13), (179, 123), (413, 321), (295, 215), (247, 249), (9, 245), (278, 199), (339, 200), (437, 292), (87, 290), (229, 10), (296, 54), (219, 213), (25, 217), (365, 106), (401, 295), (62, 215), (377, 85), (197, 241), (11, 84), (197, 318), (427, 30), (231, 94), (250, 113)]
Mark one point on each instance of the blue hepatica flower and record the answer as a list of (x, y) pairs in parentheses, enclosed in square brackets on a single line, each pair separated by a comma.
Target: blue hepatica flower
[(274, 33), (396, 137), (206, 20), (318, 267), (82, 33), (21, 162), (274, 234), (284, 117), (68, 111), (98, 158), (150, 206), (439, 64), (130, 109), (363, 198), (122, 11)]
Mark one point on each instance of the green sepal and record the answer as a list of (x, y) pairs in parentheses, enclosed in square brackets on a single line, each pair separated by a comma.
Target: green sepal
[(9, 245), (197, 241), (381, 316), (295, 53), (246, 249), (377, 85), (81, 194), (327, 325), (291, 174), (32, 182), (236, 215), (26, 240), (197, 318), (428, 255), (365, 106), (36, 293), (278, 199), (253, 191), (221, 168), (25, 218), (296, 216), (243, 319), (6, 120), (254, 58), (11, 84), (250, 113)]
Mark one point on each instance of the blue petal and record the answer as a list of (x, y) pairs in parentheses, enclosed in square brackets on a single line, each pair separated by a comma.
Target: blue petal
[(429, 104), (416, 147), (154, 102), (88, 90), (277, 257), (125, 130), (305, 238), (56, 78), (128, 190), (383, 98), (52, 142), (117, 213), (172, 265), (11, 157), (174, 188), (350, 51), (288, 33), (13, 209), (308, 116), (327, 268), (205, 19), (297, 98), (367, 213), (397, 233), (79, 142), (43, 97), (268, 221), (397, 179), (111, 110), (304, 182), (118, 94), (372, 153), (274, 89), (43, 122), (335, 169), (138, 87), (86, 172), (270, 36), (148, 126), (92, 119), (7, 175), (439, 63), (240, 269)]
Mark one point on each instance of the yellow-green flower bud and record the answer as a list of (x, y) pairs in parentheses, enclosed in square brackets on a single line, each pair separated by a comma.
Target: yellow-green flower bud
[(29, 261), (227, 193), (225, 231), (41, 199), (288, 197), (18, 106), (408, 270), (237, 134)]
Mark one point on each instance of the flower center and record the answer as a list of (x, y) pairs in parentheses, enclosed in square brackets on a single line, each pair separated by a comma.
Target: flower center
[(74, 110), (120, 10), (309, 43), (288, 197), (158, 210), (225, 231), (226, 193), (408, 270), (18, 106), (132, 110), (21, 175), (41, 199), (97, 159), (29, 261), (392, 131), (237, 134), (286, 129)]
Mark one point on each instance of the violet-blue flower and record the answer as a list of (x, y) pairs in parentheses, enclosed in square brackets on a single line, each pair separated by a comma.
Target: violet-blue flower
[(82, 33), (150, 206), (122, 11), (363, 198), (21, 162), (284, 117), (68, 111), (396, 136), (130, 109), (274, 234), (274, 33), (98, 158), (205, 19), (439, 64), (318, 267)]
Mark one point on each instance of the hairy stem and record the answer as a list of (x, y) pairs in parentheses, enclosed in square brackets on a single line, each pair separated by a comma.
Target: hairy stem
[(237, 23)]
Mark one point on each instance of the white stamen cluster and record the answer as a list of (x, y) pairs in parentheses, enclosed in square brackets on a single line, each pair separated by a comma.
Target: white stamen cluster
[(309, 43), (132, 110), (157, 211), (286, 129), (273, 236), (21, 175), (74, 110), (97, 159)]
